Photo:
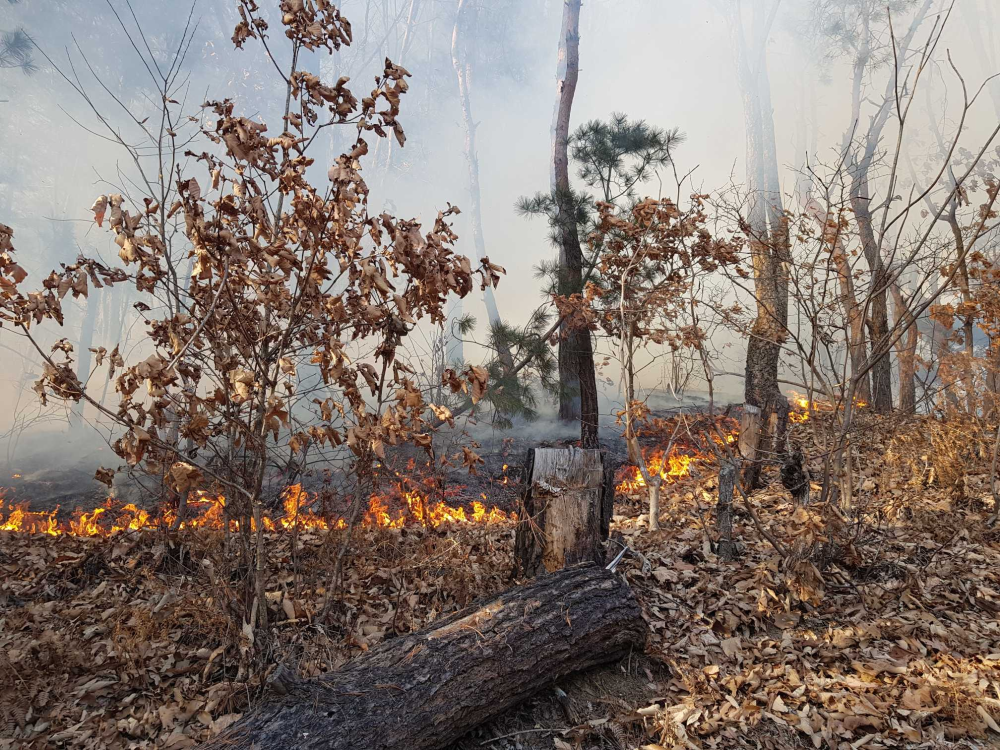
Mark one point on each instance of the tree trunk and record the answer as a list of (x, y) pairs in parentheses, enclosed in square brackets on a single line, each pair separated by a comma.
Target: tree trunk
[(962, 278), (878, 311), (578, 396), (906, 353), (566, 510), (768, 241), (426, 690), (856, 345), (726, 549), (860, 194), (991, 409)]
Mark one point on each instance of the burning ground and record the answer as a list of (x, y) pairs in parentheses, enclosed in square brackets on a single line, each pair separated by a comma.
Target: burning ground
[(124, 638)]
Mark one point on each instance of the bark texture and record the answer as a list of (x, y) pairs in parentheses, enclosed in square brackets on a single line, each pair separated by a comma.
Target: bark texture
[(906, 353), (727, 549), (768, 230), (878, 309), (425, 690), (578, 397), (566, 510)]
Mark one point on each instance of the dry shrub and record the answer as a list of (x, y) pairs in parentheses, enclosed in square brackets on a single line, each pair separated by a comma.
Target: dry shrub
[(941, 452), (957, 445), (134, 629)]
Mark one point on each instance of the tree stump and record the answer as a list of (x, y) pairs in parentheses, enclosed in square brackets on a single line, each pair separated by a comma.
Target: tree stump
[(565, 510), (425, 690)]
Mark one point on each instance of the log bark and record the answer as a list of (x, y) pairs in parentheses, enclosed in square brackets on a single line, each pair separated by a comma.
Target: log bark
[(565, 510), (426, 690)]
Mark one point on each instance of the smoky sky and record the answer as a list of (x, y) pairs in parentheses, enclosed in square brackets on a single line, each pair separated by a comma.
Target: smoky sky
[(668, 62)]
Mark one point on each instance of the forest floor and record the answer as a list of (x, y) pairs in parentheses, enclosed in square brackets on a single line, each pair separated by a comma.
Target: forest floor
[(889, 638)]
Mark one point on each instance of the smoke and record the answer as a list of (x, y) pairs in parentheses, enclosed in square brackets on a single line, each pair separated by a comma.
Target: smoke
[(668, 62)]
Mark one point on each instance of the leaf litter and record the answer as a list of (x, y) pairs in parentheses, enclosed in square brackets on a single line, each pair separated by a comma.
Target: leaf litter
[(889, 637)]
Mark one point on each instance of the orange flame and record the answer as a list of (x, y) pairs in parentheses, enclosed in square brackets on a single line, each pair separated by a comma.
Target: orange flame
[(802, 408), (677, 466), (205, 511)]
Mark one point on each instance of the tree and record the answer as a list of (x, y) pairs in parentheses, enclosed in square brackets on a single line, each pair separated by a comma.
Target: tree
[(282, 273), (15, 51), (650, 257), (767, 230), (613, 159), (576, 352), (463, 72), (858, 28)]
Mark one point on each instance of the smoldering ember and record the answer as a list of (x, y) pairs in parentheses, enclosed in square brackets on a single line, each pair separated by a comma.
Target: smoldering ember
[(505, 374)]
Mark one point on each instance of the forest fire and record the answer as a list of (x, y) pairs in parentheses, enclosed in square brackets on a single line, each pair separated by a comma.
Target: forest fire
[(209, 512), (676, 466), (722, 430), (801, 408)]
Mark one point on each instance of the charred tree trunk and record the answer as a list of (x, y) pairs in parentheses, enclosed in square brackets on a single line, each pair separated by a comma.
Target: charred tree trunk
[(727, 549), (794, 477), (425, 690), (565, 510), (578, 397)]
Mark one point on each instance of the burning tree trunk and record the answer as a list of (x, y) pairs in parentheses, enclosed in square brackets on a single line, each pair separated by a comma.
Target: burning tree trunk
[(578, 399), (424, 691), (566, 510)]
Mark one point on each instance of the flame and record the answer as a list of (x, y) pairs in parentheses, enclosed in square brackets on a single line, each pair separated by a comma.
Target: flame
[(205, 511), (802, 407), (677, 466)]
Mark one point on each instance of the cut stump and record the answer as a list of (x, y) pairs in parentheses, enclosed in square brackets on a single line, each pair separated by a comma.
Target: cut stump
[(565, 510), (426, 690)]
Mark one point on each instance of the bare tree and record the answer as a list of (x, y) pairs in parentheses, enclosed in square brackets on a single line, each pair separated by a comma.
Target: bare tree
[(578, 400), (767, 229)]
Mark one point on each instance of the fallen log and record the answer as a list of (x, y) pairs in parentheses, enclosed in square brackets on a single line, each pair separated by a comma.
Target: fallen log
[(425, 690)]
